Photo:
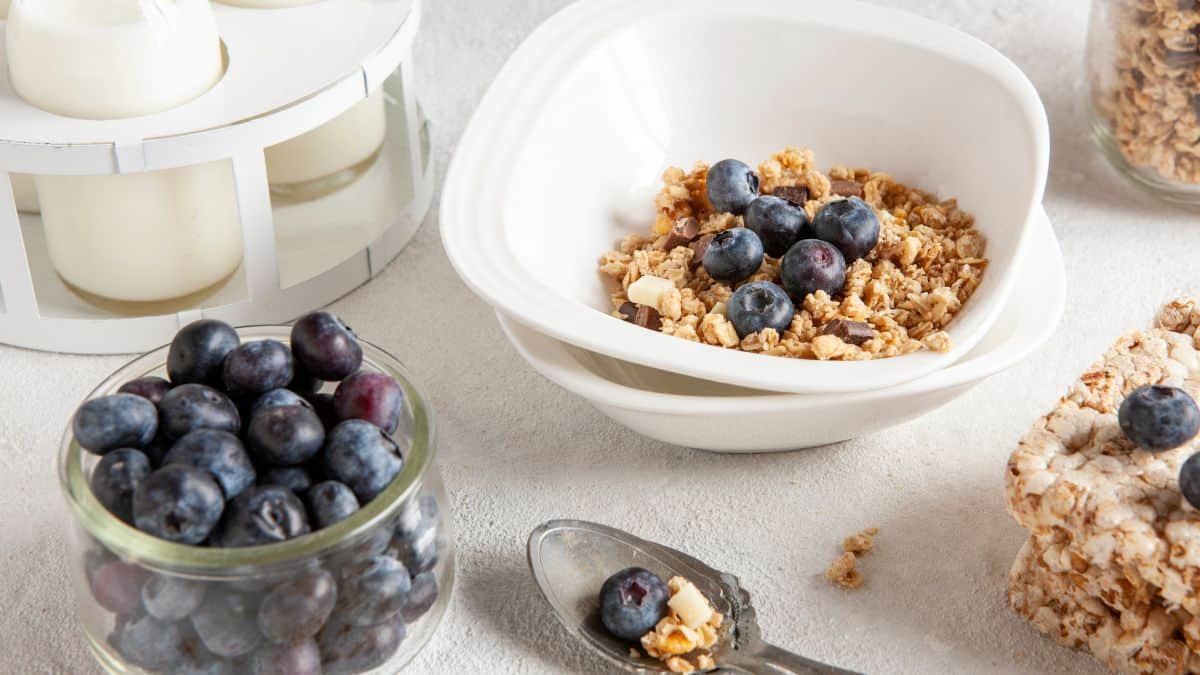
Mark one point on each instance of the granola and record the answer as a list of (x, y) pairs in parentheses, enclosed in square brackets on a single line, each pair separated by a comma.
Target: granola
[(927, 264), (844, 570), (1113, 560), (682, 638), (1150, 94)]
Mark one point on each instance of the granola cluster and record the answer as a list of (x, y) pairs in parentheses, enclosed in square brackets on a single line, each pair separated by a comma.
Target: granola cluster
[(1150, 95), (1113, 560), (682, 638), (844, 570), (927, 264)]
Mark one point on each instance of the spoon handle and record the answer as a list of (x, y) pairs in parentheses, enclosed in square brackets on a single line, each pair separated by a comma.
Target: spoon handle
[(770, 660)]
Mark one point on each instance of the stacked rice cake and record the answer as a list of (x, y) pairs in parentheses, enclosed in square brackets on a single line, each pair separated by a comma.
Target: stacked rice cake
[(1113, 560)]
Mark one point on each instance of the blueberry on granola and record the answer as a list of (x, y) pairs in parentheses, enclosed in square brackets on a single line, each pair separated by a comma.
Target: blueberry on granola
[(632, 602), (1158, 417), (1189, 480), (733, 256), (731, 186), (849, 224), (813, 265), (760, 305), (777, 222)]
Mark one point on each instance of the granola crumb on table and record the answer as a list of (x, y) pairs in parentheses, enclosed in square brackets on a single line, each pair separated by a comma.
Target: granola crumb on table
[(928, 263), (844, 570)]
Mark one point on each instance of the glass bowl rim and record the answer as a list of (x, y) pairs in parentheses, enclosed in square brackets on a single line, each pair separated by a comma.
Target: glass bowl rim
[(133, 545)]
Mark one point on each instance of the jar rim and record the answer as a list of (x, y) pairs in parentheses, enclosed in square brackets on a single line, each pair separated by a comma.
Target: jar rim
[(149, 551)]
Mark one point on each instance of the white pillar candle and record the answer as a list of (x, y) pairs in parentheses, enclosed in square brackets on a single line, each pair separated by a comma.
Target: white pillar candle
[(135, 237)]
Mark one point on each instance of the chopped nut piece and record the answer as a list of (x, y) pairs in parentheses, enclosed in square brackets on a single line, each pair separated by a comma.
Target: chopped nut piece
[(844, 572), (684, 231), (689, 603), (649, 290), (862, 542), (846, 188), (850, 332), (795, 195)]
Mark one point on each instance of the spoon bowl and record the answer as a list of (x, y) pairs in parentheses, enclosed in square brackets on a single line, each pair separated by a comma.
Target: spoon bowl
[(571, 559)]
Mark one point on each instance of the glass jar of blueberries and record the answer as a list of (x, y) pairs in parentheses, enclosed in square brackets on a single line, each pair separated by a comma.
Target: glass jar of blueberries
[(233, 513)]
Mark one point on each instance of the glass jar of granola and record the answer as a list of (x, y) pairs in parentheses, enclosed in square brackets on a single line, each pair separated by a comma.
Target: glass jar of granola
[(1143, 60), (307, 605)]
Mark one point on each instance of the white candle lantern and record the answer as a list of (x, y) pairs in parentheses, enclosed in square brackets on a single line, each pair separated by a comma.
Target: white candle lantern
[(316, 129)]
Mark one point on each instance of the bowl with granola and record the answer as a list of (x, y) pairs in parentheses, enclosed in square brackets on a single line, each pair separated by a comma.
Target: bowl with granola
[(703, 189), (697, 413)]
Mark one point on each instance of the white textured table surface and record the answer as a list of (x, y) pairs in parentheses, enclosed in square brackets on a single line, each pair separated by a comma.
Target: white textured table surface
[(517, 451)]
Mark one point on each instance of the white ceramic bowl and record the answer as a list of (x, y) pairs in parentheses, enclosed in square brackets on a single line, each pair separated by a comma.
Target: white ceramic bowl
[(565, 153), (711, 416)]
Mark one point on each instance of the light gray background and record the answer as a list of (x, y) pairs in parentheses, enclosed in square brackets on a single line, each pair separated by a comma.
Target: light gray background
[(517, 451)]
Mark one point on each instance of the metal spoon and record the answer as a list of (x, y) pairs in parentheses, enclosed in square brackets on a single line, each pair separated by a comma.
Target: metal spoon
[(571, 559)]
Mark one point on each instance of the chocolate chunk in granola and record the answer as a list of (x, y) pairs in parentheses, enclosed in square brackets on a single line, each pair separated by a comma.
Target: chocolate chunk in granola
[(682, 234), (628, 311), (1181, 59), (846, 188), (850, 332), (795, 195), (699, 247), (647, 317)]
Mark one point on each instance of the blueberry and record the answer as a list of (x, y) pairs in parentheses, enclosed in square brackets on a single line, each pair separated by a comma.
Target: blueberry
[(374, 397), (813, 265), (632, 602), (189, 407), (262, 515), (286, 435), (373, 590), (199, 661), (297, 658), (157, 450), (115, 477), (362, 456), (117, 421), (152, 644), (733, 255), (294, 478), (347, 648), (418, 550), (258, 367), (227, 623), (732, 185), (760, 305), (277, 398), (330, 502), (171, 598), (297, 609), (1159, 417), (150, 388), (777, 222), (326, 346), (849, 224), (416, 516), (421, 598), (303, 382), (178, 503), (117, 586), (197, 354), (218, 452), (1189, 480)]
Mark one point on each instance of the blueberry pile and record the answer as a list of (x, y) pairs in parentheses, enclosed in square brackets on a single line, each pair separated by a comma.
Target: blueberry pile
[(239, 449), (1159, 418), (814, 255)]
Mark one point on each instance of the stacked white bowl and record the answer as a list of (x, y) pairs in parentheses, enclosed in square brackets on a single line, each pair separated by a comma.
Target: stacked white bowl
[(565, 152)]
